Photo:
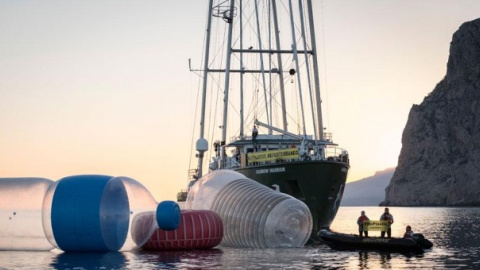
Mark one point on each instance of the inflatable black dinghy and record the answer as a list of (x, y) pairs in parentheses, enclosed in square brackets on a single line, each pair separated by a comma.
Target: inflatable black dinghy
[(340, 241)]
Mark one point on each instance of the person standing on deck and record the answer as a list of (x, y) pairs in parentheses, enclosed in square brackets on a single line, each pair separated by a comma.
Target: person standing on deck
[(254, 133), (389, 218)]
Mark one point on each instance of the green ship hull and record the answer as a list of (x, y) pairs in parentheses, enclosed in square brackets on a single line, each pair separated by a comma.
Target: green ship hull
[(319, 184)]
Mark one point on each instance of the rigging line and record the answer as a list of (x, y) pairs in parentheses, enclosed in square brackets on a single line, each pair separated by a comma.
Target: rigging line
[(261, 58), (257, 82), (287, 11), (194, 121), (325, 63), (248, 19), (290, 116), (256, 100), (222, 45), (253, 83), (295, 102), (209, 133), (199, 89), (252, 29), (269, 27), (212, 120), (253, 104), (278, 103), (302, 19), (198, 97), (248, 23), (257, 116), (212, 123), (228, 65)]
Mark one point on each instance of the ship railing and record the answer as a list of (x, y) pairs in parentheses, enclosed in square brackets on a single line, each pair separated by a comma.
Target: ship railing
[(336, 154), (231, 163), (238, 138), (192, 174), (328, 136)]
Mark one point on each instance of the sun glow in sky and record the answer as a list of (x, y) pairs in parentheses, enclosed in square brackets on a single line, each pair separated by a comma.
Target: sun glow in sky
[(103, 87)]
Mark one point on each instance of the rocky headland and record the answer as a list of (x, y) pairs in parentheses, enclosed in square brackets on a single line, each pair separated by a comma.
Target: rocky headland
[(439, 164), (368, 191)]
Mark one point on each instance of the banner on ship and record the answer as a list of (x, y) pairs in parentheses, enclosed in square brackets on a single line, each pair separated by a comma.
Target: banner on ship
[(375, 225), (291, 153)]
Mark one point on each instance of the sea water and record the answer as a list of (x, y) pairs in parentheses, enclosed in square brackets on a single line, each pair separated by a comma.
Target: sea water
[(455, 233)]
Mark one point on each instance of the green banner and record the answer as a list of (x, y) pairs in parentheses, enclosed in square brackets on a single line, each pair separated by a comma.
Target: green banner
[(375, 225)]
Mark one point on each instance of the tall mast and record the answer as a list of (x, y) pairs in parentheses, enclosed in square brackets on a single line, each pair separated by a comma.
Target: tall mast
[(270, 91), (262, 66), (308, 68), (315, 70), (202, 143), (241, 73), (227, 71), (280, 65), (295, 57)]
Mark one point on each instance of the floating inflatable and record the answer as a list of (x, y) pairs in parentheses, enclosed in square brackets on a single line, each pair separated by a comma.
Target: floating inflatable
[(21, 225), (83, 213), (340, 241), (253, 215), (198, 229)]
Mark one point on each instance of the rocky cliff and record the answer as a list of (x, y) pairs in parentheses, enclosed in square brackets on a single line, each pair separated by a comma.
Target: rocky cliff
[(368, 191), (439, 163)]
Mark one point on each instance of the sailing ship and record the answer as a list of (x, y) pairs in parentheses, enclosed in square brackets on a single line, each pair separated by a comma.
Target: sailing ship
[(270, 125)]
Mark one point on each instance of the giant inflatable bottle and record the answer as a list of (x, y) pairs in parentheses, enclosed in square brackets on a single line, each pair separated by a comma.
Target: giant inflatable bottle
[(253, 215), (83, 213)]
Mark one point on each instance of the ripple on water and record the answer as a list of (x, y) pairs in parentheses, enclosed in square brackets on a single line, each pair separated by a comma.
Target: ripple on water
[(455, 233)]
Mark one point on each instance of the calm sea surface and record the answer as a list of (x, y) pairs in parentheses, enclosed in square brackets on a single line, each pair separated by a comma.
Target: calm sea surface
[(455, 233)]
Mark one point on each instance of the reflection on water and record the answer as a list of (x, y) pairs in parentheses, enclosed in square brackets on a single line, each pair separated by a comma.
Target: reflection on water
[(455, 233), (187, 259), (108, 260)]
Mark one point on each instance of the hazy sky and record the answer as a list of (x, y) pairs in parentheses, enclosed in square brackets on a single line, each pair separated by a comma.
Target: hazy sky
[(103, 87)]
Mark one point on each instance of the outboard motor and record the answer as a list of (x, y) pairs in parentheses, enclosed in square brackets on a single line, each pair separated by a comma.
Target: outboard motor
[(421, 241)]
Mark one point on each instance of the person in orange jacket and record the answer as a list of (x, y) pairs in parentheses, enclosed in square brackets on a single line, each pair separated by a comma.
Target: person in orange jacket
[(360, 221)]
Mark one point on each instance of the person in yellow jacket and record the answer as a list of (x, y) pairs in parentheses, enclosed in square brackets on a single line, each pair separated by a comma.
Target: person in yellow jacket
[(388, 217)]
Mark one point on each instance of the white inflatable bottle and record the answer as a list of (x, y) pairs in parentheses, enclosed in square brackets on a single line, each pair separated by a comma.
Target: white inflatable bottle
[(21, 214), (253, 215), (82, 213)]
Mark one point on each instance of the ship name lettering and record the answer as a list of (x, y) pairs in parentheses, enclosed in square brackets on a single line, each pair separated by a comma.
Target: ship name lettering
[(276, 170), (271, 170), (262, 171)]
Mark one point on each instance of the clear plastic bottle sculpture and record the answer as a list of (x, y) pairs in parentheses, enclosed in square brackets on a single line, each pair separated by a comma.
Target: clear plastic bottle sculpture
[(253, 215), (88, 213), (21, 214), (83, 213)]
